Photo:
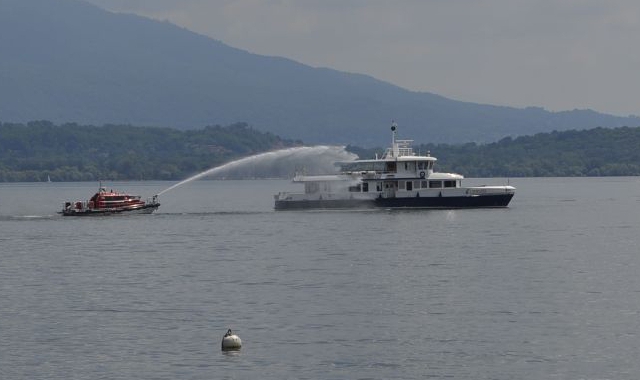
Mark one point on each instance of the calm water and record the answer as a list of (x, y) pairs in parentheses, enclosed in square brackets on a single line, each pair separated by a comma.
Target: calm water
[(546, 289)]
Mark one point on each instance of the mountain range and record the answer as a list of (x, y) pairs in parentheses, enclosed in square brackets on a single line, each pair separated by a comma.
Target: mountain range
[(69, 61)]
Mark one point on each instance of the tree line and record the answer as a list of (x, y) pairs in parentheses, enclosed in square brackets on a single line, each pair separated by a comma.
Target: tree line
[(575, 153), (40, 150)]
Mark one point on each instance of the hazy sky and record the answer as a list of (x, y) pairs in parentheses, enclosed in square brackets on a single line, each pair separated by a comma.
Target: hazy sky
[(557, 54)]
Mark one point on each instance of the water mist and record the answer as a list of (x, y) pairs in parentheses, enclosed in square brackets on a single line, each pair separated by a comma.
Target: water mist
[(314, 159)]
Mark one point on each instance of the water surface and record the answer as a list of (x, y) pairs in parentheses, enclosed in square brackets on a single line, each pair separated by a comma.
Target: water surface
[(547, 288)]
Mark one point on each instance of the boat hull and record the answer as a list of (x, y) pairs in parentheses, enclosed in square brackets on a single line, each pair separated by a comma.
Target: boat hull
[(146, 209), (443, 202), (321, 204), (481, 201)]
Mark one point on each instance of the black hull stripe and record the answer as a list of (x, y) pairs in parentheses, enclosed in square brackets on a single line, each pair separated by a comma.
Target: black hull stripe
[(485, 201)]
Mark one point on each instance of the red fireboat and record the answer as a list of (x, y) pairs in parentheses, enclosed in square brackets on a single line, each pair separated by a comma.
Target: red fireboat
[(110, 202)]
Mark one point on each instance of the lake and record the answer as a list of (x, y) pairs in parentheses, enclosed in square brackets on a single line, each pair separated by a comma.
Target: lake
[(548, 288)]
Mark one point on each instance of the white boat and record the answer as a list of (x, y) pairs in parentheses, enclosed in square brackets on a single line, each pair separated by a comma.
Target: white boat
[(399, 179)]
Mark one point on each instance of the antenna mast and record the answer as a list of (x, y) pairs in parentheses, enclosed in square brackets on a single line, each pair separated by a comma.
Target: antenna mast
[(394, 145)]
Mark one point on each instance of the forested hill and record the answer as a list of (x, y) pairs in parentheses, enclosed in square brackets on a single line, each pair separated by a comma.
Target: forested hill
[(68, 60), (72, 152), (593, 152)]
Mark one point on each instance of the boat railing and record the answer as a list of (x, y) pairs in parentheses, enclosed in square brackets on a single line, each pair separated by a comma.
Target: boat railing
[(401, 152), (399, 148)]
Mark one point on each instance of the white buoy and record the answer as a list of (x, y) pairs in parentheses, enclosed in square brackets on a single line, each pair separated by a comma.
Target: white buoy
[(231, 341)]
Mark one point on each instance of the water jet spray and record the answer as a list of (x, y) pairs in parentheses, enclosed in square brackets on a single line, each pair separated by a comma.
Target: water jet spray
[(323, 155)]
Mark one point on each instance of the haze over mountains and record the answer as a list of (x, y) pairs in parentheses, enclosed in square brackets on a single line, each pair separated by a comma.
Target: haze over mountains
[(68, 61)]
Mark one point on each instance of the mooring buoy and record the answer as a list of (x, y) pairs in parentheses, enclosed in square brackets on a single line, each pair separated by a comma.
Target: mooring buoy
[(231, 341)]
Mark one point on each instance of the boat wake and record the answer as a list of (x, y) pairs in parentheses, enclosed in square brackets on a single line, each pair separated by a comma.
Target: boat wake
[(26, 217), (210, 213)]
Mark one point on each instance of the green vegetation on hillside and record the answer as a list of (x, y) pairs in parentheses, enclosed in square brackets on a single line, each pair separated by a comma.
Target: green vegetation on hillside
[(72, 152), (594, 152)]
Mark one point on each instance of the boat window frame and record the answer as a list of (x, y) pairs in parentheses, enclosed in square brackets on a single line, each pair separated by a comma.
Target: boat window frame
[(311, 187), (390, 167), (437, 182)]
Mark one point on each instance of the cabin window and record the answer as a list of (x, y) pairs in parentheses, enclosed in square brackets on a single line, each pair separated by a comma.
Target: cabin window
[(435, 184), (420, 165), (424, 184), (449, 183), (311, 187), (365, 187), (378, 186), (401, 185), (409, 185), (355, 189), (391, 167)]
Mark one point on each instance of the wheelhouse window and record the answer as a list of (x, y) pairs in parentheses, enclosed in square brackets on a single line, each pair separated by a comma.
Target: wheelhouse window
[(114, 198), (311, 187), (410, 166), (390, 167)]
